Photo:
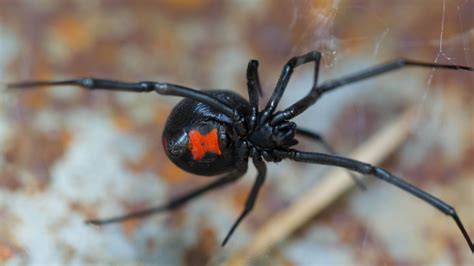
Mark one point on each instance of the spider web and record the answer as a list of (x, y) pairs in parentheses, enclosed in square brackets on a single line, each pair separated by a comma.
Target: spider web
[(206, 45), (384, 39)]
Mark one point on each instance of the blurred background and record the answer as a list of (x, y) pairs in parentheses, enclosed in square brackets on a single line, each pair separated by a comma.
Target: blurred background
[(67, 154)]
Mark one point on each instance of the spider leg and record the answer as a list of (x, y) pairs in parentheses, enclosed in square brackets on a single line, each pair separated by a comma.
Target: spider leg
[(285, 78), (145, 86), (262, 171), (318, 138), (316, 92), (254, 90), (364, 168), (177, 202)]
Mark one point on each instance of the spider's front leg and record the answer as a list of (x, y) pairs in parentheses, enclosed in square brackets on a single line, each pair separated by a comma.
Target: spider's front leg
[(285, 76), (254, 89), (317, 91), (367, 169)]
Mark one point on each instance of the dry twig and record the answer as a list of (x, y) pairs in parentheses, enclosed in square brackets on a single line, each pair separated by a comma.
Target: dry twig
[(332, 186)]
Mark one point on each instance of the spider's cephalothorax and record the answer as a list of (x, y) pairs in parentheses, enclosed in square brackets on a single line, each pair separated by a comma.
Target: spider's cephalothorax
[(215, 132)]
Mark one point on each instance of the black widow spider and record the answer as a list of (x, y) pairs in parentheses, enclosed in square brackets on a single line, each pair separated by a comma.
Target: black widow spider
[(214, 132)]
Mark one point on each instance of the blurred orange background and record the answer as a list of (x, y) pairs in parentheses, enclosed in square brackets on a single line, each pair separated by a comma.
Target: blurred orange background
[(67, 155)]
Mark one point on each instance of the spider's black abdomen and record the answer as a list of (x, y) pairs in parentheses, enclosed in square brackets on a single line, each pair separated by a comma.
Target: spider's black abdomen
[(196, 136)]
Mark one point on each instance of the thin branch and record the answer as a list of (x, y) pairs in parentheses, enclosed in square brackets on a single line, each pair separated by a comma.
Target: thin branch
[(332, 186)]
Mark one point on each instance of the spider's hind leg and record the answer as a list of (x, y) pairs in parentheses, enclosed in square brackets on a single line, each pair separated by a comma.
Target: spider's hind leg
[(142, 86), (261, 173), (176, 202)]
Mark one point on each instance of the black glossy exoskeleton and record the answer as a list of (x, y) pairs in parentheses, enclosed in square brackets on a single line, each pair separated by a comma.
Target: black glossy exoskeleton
[(216, 132), (209, 154)]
